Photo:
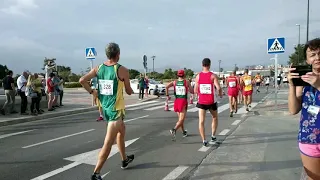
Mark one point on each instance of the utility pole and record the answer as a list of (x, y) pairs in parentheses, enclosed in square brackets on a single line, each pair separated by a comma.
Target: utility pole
[(219, 68), (308, 12), (153, 57)]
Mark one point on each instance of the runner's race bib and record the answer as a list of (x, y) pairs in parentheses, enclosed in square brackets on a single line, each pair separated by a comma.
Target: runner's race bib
[(232, 84), (205, 89), (258, 80), (180, 90), (247, 82), (278, 79), (106, 87)]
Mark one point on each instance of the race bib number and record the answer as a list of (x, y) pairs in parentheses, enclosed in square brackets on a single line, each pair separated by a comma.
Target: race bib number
[(247, 82), (278, 79), (106, 87), (205, 89), (232, 84), (180, 90), (258, 80)]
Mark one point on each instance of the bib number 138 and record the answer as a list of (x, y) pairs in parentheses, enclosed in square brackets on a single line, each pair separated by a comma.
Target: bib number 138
[(205, 89), (106, 87)]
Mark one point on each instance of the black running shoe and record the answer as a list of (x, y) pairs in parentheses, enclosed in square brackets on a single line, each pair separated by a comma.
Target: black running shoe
[(185, 133), (205, 143), (126, 162), (173, 133), (96, 176)]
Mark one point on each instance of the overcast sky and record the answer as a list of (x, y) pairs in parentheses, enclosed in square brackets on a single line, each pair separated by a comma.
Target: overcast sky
[(180, 33)]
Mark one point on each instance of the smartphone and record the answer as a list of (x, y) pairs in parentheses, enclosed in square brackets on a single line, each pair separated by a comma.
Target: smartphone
[(302, 70)]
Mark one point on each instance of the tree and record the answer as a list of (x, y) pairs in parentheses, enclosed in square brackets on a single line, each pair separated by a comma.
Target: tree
[(188, 72), (168, 74), (133, 73), (3, 71), (298, 56), (236, 68), (221, 70), (64, 72), (74, 77), (45, 61)]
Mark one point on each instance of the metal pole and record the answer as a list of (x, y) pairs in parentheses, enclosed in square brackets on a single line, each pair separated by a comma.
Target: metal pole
[(91, 65), (219, 67), (276, 77), (308, 20), (299, 46)]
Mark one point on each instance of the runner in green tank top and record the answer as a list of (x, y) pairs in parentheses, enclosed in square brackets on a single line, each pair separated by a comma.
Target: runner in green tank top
[(112, 79), (181, 88)]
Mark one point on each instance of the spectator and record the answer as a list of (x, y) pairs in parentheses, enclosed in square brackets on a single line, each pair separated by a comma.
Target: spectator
[(56, 82), (22, 82), (50, 90), (9, 91), (141, 87), (61, 89), (33, 90)]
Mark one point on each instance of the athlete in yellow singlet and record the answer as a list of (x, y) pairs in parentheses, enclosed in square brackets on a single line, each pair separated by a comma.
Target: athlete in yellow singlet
[(246, 81)]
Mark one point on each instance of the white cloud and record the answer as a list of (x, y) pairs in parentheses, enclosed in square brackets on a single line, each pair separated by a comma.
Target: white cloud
[(18, 7)]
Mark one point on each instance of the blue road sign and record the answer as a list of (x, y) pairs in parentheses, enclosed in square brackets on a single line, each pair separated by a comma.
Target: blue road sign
[(91, 53), (276, 45)]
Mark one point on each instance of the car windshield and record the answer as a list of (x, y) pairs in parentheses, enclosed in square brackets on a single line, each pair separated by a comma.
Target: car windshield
[(151, 81)]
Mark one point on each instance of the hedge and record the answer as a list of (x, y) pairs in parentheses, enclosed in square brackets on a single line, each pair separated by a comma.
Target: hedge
[(72, 85)]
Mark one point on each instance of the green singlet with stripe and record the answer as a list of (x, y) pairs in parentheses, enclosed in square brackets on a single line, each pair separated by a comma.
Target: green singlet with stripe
[(180, 89), (110, 92)]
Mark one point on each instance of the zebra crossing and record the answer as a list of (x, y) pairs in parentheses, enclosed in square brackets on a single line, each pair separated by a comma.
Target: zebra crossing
[(158, 104)]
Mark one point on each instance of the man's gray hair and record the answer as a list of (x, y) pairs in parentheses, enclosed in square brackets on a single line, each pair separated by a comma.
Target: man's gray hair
[(112, 50)]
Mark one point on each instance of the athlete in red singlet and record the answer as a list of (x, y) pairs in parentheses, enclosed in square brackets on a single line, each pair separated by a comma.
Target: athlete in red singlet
[(233, 89), (205, 85)]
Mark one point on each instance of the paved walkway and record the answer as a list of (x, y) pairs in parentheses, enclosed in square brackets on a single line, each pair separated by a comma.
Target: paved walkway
[(75, 100), (264, 147)]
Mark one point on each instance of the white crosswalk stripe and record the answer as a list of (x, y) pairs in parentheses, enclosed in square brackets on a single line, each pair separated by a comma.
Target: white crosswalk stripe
[(155, 105)]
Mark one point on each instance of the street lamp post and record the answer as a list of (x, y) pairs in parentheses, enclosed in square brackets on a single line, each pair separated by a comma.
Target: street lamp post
[(308, 12), (219, 67), (298, 46), (153, 57)]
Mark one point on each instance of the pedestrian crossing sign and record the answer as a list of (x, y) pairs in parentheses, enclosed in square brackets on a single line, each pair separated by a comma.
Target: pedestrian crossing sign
[(91, 53), (276, 45)]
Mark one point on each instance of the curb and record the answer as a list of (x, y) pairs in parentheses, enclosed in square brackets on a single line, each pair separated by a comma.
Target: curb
[(54, 115)]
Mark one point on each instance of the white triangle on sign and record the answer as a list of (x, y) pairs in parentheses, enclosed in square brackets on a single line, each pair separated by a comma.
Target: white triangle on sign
[(91, 157), (276, 46), (90, 53)]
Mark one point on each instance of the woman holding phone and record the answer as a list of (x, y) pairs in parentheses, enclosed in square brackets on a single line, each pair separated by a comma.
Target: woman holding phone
[(307, 99)]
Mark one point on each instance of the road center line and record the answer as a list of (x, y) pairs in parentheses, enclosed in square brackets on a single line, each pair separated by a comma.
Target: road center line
[(136, 118), (63, 137), (13, 134), (57, 171), (236, 122), (224, 132), (176, 173)]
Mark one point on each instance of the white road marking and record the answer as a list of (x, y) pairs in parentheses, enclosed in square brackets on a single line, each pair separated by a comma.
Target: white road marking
[(90, 158), (105, 174), (158, 107), (141, 107), (242, 110), (204, 148), (223, 108), (138, 104), (224, 132), (13, 134), (136, 118), (55, 139), (175, 173), (57, 171), (236, 122)]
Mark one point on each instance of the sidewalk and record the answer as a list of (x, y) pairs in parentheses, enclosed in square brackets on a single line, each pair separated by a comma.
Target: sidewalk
[(74, 101), (263, 147)]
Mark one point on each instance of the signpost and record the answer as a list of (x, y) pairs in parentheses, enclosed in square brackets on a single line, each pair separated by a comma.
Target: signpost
[(91, 54), (145, 64), (276, 46)]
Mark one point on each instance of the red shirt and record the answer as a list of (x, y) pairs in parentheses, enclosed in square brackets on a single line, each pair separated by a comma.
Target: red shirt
[(50, 85), (232, 82), (205, 89)]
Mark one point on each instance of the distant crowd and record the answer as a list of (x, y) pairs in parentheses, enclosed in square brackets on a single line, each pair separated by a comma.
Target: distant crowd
[(30, 86)]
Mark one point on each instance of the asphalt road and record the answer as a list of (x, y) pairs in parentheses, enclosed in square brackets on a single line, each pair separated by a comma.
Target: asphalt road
[(47, 149)]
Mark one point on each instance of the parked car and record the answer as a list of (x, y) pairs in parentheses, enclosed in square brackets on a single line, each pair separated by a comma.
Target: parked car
[(152, 84)]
